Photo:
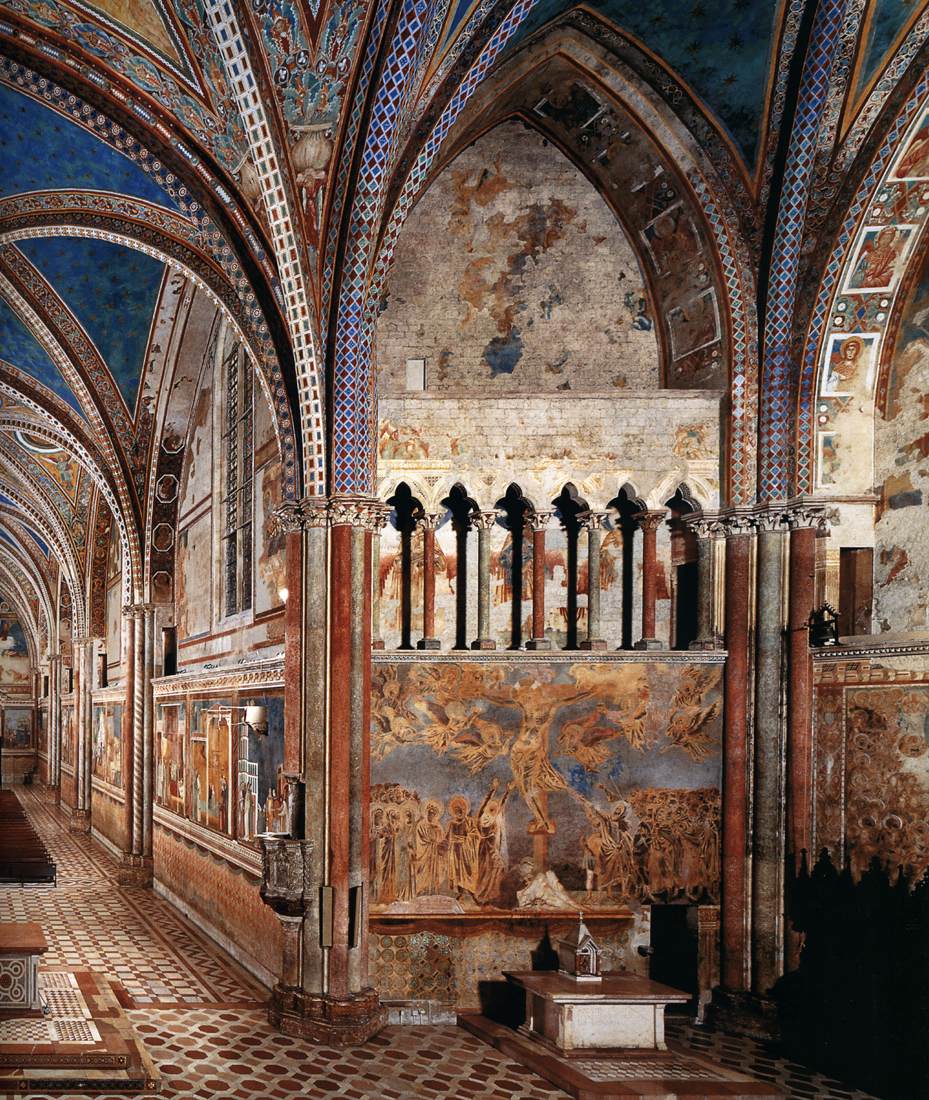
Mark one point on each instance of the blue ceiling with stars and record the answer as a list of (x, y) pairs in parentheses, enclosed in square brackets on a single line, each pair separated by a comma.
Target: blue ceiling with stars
[(113, 292), (21, 349), (41, 150)]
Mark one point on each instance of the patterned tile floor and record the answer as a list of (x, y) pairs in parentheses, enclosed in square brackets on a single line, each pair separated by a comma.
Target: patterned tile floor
[(202, 1020)]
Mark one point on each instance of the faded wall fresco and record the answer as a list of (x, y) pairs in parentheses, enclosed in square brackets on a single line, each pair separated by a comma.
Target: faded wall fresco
[(212, 770), (531, 282), (543, 784), (872, 763), (18, 733), (901, 448), (15, 666), (108, 743)]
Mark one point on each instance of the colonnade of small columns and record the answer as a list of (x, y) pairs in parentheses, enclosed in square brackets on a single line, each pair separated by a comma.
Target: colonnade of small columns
[(536, 524)]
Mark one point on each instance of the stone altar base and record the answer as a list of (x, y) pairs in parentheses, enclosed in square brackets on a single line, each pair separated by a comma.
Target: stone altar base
[(85, 1043), (593, 1075), (619, 1011)]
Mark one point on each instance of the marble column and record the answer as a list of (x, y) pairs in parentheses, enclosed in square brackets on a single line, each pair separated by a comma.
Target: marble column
[(804, 521), (333, 1003), (593, 524), (80, 814), (649, 522), (485, 523), (54, 726), (429, 523), (537, 523), (767, 938), (305, 524), (708, 528), (137, 867), (734, 863)]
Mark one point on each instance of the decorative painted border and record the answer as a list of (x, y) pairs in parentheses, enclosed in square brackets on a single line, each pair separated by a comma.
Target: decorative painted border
[(560, 656), (264, 674)]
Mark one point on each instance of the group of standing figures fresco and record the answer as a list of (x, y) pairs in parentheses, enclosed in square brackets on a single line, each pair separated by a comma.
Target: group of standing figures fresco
[(488, 775), (659, 845)]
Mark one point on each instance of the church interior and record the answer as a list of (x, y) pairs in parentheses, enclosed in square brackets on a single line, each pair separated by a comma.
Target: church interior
[(464, 607)]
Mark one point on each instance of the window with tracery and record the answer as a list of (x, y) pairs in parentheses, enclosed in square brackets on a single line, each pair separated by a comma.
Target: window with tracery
[(238, 477)]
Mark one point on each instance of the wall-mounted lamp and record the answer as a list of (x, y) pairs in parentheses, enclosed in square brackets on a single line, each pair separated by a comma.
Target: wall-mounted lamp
[(256, 718)]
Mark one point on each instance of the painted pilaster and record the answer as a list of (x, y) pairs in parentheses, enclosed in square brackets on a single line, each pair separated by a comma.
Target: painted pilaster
[(649, 522), (485, 523), (80, 816), (593, 524), (538, 523)]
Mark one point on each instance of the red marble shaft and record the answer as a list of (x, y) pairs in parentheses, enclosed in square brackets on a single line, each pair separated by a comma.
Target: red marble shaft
[(735, 780), (428, 582), (538, 584)]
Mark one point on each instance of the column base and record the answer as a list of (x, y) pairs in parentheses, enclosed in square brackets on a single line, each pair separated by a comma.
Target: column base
[(429, 643), (378, 644), (329, 1021), (137, 871), (745, 1014), (593, 644), (539, 643), (80, 821), (484, 644), (649, 643), (706, 643), (53, 794)]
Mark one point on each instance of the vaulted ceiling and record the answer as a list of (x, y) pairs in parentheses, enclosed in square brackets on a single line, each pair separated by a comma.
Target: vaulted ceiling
[(270, 151)]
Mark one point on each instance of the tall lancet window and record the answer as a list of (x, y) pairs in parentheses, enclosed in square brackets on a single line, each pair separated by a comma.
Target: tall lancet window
[(239, 455)]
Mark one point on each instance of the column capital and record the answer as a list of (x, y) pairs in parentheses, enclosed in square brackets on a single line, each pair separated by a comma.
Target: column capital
[(592, 520), (808, 513), (651, 519), (354, 511), (539, 519), (136, 610), (737, 522), (296, 515), (484, 521), (705, 525), (430, 520)]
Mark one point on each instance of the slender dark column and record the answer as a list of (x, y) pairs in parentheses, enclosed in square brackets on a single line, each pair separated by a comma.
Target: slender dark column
[(708, 529)]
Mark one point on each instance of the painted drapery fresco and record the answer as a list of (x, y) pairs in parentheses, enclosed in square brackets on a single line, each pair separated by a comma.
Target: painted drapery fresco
[(108, 743), (517, 784), (17, 728)]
